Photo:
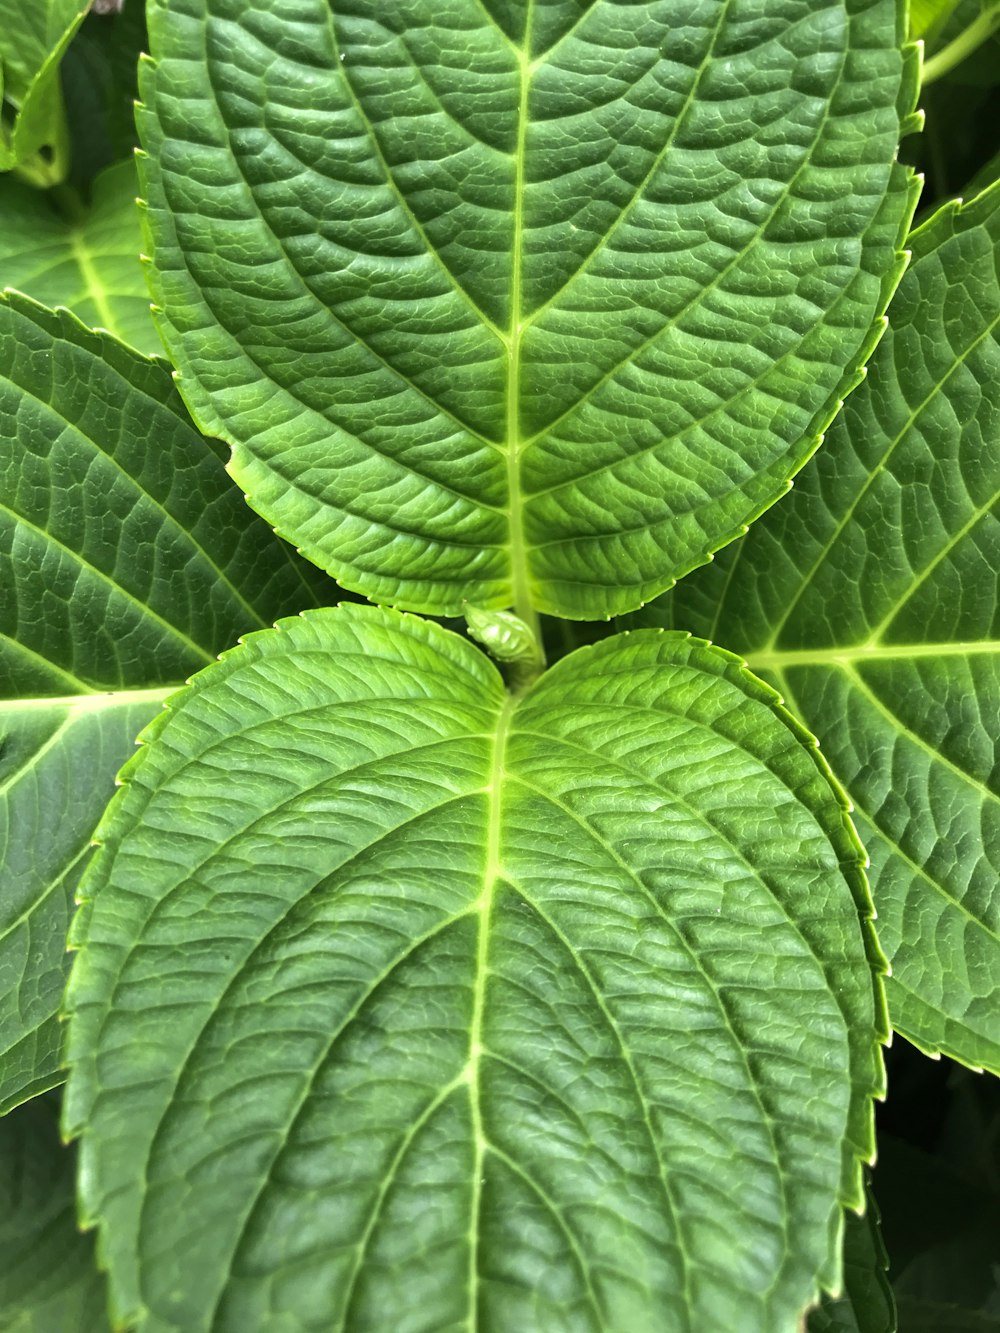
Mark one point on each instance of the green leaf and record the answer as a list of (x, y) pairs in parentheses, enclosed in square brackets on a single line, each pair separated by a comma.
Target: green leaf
[(33, 38), (926, 16), (48, 1279), (89, 263), (519, 303), (405, 1003), (57, 761), (124, 568), (869, 598), (866, 1305)]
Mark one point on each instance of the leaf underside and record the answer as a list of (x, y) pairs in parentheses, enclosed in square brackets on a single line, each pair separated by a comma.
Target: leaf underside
[(409, 1004), (869, 598), (521, 303), (125, 568)]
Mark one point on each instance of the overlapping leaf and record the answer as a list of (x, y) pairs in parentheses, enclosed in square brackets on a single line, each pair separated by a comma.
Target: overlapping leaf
[(89, 264), (405, 1002), (866, 1304), (127, 561), (515, 302), (48, 1278), (870, 598), (33, 38)]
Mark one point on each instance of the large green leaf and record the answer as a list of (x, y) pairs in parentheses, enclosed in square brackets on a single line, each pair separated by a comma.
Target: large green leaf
[(515, 302), (125, 568), (407, 1003), (870, 598), (33, 37), (48, 1279), (89, 264)]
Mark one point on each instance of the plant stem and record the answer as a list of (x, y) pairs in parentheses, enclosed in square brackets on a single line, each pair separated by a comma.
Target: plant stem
[(963, 45)]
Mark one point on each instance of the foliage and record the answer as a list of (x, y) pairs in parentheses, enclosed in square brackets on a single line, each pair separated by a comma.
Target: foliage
[(417, 990)]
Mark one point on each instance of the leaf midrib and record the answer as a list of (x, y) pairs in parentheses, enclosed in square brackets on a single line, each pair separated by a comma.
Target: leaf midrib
[(835, 655), (484, 908), (523, 601)]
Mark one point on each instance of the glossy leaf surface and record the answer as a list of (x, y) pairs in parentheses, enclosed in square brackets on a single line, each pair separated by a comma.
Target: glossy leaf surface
[(89, 264), (870, 598), (521, 303), (439, 1007), (124, 568)]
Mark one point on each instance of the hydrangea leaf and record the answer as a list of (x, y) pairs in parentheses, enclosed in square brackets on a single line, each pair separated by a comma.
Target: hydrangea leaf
[(89, 264), (406, 1002), (866, 1304), (125, 568), (522, 302), (49, 1281), (33, 38), (869, 597)]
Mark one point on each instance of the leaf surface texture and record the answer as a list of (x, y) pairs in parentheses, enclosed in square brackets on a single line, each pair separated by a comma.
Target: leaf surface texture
[(521, 303), (869, 597), (443, 1008), (125, 568)]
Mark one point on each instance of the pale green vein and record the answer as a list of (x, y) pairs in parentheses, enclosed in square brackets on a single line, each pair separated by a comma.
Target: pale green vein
[(866, 652), (325, 311), (977, 516), (545, 57), (873, 475), (284, 1133), (552, 1208), (673, 1210), (493, 871), (694, 303), (78, 559), (38, 898), (523, 601), (914, 738), (36, 756), (9, 643), (658, 158), (393, 185), (350, 1283), (88, 703), (93, 285), (169, 519), (894, 846)]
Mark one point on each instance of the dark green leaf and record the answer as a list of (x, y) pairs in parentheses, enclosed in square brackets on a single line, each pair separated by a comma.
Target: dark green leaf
[(125, 567), (866, 1305), (48, 1278)]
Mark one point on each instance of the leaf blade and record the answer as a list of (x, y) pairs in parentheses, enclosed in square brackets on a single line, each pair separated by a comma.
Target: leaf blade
[(90, 266), (868, 598), (485, 308), (432, 837), (125, 568)]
